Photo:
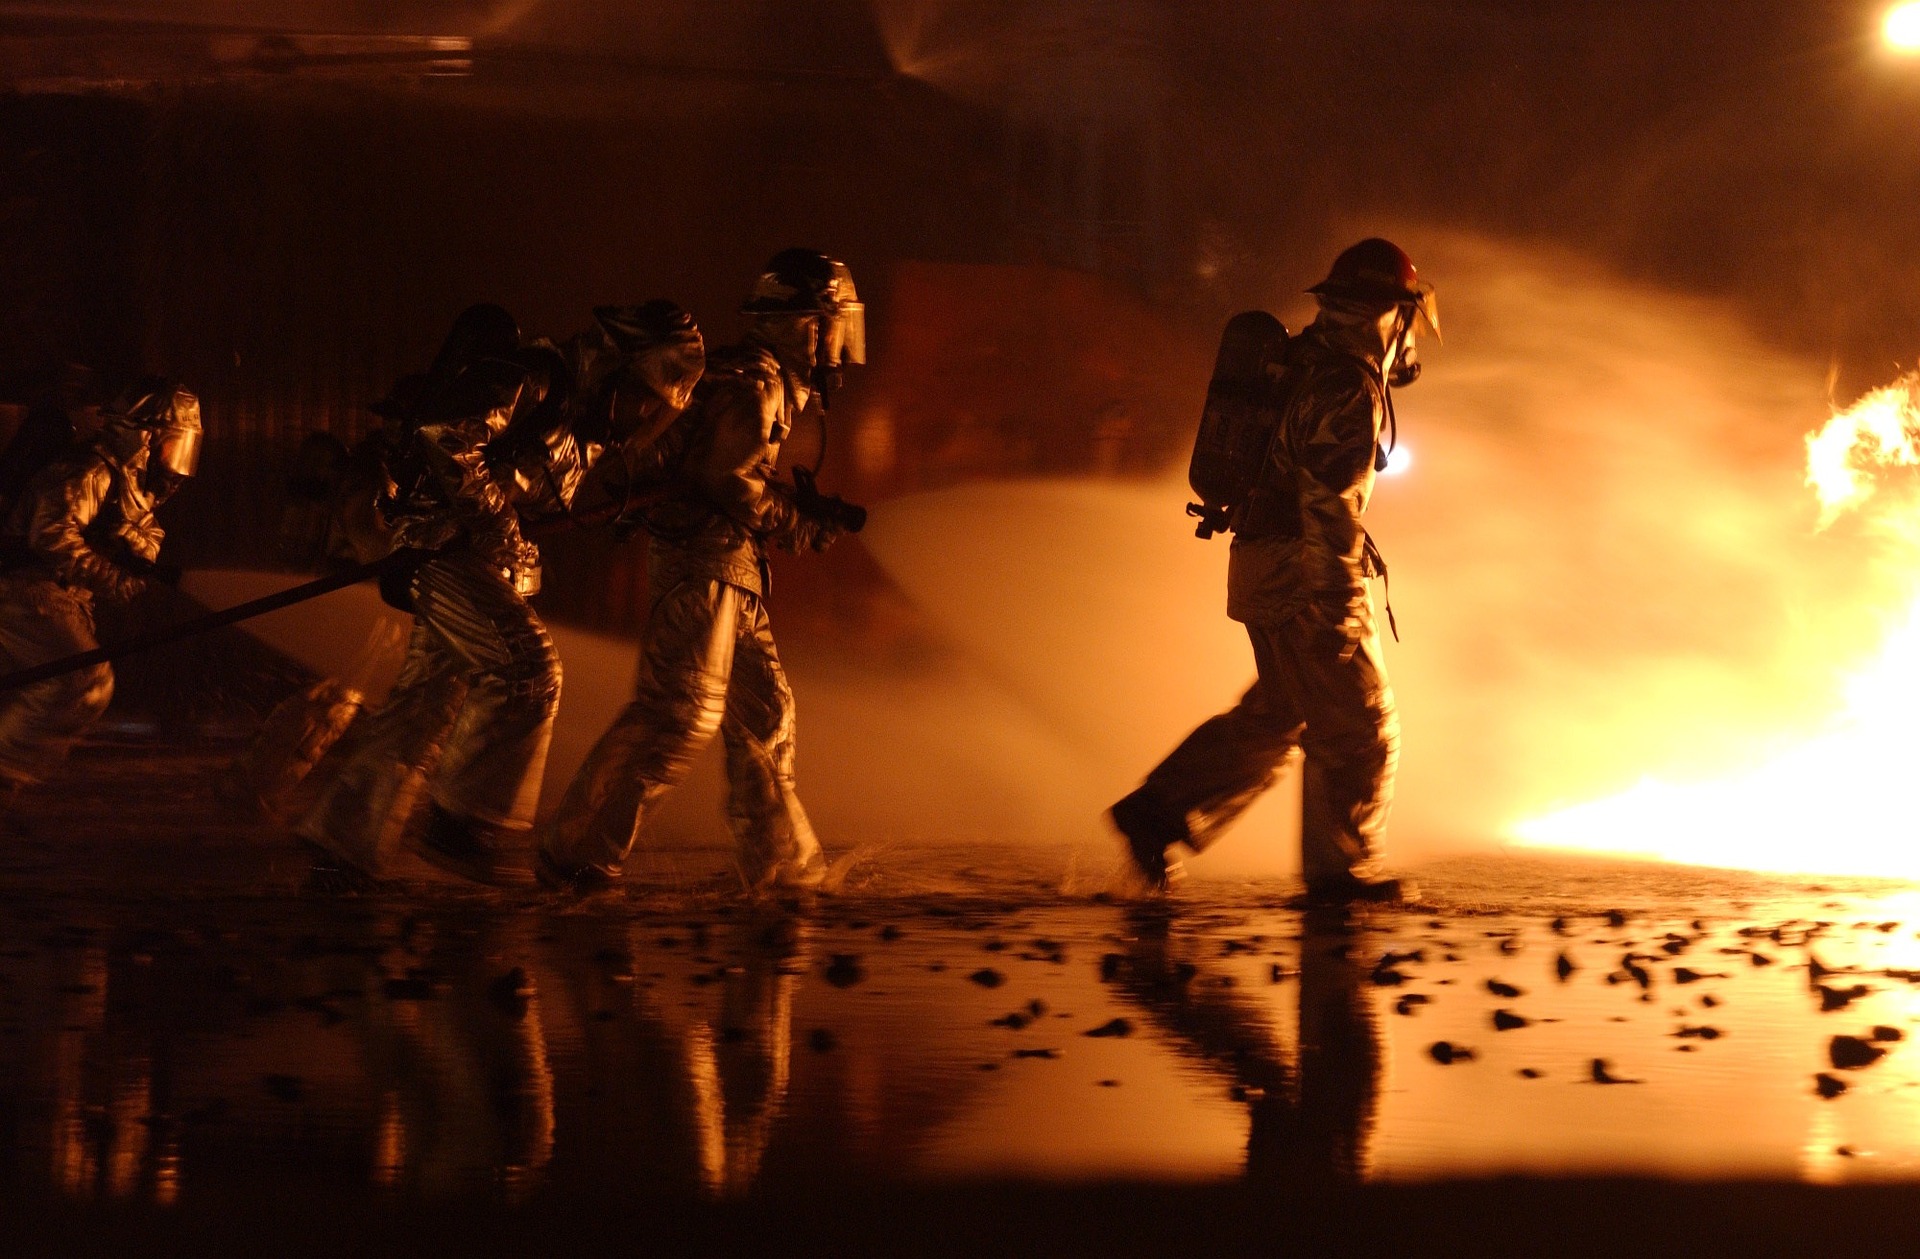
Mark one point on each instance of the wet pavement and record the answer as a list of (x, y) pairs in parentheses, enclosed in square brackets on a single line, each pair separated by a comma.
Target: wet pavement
[(178, 1023)]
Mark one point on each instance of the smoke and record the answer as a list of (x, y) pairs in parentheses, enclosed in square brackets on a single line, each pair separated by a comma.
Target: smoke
[(1603, 555), (932, 751)]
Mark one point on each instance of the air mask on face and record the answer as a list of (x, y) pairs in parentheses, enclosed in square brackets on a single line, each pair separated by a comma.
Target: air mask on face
[(1406, 359), (842, 340)]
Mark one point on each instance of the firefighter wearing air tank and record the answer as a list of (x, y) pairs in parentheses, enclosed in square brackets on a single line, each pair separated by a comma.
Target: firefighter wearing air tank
[(707, 659), (492, 432), (1298, 579), (82, 530)]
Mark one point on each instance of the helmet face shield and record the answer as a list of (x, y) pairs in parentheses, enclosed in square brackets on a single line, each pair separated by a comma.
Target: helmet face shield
[(175, 445), (1427, 306), (844, 335)]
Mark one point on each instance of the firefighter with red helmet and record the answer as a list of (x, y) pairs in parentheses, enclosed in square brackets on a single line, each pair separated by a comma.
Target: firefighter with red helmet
[(708, 662), (1298, 580), (80, 530)]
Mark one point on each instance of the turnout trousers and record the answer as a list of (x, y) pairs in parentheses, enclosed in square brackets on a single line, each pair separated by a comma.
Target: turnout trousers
[(1320, 691), (707, 664), (42, 620), (471, 718)]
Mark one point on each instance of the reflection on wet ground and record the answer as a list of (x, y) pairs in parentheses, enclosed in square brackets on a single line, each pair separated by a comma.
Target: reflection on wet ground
[(175, 1020)]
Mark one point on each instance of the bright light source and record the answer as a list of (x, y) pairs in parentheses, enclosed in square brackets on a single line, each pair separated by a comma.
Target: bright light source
[(1902, 27), (1398, 461)]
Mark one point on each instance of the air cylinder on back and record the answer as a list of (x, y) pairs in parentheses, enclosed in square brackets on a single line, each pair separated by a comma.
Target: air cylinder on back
[(1237, 422)]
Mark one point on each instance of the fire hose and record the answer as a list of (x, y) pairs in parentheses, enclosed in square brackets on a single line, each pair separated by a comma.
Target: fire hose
[(267, 603), (846, 515)]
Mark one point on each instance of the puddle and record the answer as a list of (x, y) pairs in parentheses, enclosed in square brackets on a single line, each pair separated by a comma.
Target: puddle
[(175, 1021)]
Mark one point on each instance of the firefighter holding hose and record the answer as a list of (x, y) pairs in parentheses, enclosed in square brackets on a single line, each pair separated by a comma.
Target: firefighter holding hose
[(708, 662), (80, 530), (514, 431), (1298, 439)]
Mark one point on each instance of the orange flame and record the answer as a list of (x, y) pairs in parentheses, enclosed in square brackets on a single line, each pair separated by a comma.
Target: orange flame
[(1835, 801), (1878, 431)]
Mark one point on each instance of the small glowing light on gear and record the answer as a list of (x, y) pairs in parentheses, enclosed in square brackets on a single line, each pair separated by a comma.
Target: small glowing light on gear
[(1398, 461), (1901, 28)]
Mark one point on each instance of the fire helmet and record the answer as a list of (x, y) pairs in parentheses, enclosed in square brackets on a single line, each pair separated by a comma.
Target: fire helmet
[(1377, 270), (661, 345), (169, 414), (483, 330), (807, 282)]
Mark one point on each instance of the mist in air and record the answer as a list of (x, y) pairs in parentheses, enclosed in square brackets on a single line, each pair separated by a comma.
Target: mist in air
[(1604, 566)]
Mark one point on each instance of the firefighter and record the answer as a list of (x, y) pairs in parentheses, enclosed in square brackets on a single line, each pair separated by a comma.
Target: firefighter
[(707, 656), (473, 709), (1298, 580), (82, 530)]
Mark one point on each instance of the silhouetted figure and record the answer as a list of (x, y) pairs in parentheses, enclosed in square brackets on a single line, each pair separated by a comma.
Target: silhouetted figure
[(82, 529), (1298, 579)]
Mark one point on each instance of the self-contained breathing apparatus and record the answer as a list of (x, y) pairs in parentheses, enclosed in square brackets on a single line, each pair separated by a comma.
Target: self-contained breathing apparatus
[(1249, 392)]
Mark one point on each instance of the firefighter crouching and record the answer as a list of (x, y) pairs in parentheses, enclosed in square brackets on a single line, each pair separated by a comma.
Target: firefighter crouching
[(83, 529), (707, 658), (1298, 580)]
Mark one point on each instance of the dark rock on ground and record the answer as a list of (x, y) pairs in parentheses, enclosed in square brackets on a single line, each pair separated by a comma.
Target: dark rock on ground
[(1688, 975), (821, 1040), (845, 970), (1829, 1085), (1112, 1027), (1600, 1071), (1500, 989), (1507, 1021), (1839, 998), (1850, 1053), (987, 977), (1445, 1052)]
